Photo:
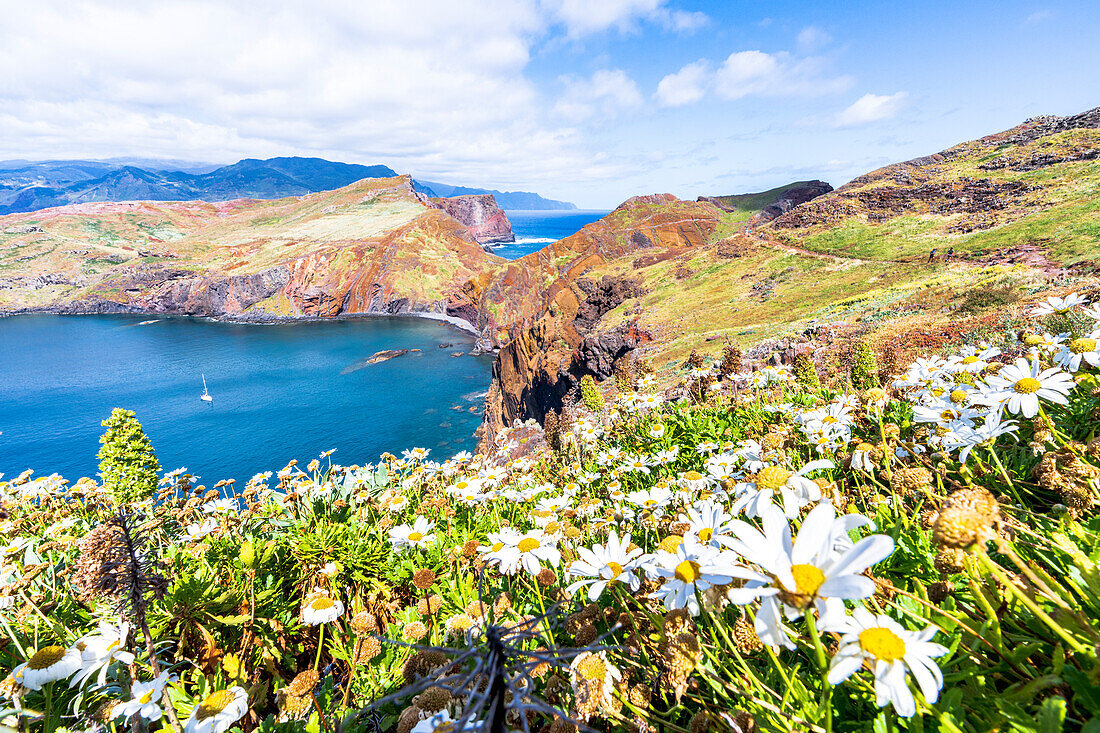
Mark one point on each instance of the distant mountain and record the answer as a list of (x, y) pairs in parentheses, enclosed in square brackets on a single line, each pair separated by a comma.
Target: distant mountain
[(524, 200), (32, 185)]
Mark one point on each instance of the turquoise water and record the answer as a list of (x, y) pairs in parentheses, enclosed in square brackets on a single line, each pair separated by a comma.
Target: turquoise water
[(536, 229), (280, 391)]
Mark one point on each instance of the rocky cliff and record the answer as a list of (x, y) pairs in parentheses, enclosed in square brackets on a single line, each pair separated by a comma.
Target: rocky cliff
[(372, 247), (480, 214)]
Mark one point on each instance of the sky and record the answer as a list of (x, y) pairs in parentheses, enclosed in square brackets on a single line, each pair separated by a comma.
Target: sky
[(590, 101)]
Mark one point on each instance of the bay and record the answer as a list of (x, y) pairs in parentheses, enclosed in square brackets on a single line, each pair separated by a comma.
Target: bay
[(536, 229), (280, 391)]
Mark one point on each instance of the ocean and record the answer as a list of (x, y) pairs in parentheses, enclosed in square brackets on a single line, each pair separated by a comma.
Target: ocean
[(536, 229), (280, 391)]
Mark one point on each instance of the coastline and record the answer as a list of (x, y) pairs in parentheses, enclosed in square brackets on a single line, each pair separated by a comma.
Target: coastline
[(258, 320)]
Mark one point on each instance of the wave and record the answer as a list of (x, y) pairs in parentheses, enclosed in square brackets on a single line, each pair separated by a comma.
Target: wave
[(534, 240)]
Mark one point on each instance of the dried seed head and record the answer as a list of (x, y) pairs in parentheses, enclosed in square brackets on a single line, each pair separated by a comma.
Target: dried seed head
[(424, 578), (966, 516), (370, 648), (906, 481), (586, 635), (303, 683), (546, 577), (429, 606), (364, 623), (745, 637), (680, 655), (433, 699), (949, 560), (940, 591), (415, 631)]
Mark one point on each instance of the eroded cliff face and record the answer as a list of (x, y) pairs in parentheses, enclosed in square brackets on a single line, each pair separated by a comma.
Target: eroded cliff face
[(556, 334), (480, 214), (373, 247)]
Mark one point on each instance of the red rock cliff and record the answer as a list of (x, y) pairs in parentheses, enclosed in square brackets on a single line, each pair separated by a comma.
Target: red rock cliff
[(480, 214)]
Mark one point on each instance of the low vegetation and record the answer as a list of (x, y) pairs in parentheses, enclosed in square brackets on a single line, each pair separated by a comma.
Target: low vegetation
[(764, 550)]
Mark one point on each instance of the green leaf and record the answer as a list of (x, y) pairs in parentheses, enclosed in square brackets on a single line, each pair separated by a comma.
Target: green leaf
[(1051, 715), (1086, 692)]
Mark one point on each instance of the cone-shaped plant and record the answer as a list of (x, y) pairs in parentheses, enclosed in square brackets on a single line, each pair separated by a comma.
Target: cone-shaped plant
[(128, 465)]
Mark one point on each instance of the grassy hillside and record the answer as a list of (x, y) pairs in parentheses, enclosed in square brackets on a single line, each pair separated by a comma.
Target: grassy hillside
[(1032, 191)]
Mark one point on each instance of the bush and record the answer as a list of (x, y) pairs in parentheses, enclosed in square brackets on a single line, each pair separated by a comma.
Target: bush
[(986, 298), (128, 465), (864, 372), (806, 373), (590, 394)]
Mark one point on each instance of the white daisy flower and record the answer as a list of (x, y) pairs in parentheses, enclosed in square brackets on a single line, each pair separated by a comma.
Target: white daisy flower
[(198, 530), (821, 567), (442, 722), (605, 564), (48, 664), (98, 650), (144, 701), (1055, 304), (795, 490), (890, 650), (694, 567), (319, 609), (419, 534), (1020, 386), (218, 711), (1085, 349)]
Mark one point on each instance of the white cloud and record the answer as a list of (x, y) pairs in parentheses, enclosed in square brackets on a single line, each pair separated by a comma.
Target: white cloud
[(811, 38), (684, 21), (1039, 16), (686, 86), (427, 87), (603, 96), (747, 73), (871, 108), (585, 17)]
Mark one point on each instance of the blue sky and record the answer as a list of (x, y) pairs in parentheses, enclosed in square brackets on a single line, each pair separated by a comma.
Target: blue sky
[(586, 100)]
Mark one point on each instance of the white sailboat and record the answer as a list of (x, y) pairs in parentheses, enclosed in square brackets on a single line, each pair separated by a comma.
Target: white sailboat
[(205, 396)]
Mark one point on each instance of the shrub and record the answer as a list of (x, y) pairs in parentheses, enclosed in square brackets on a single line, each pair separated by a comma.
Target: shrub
[(128, 464), (987, 297), (590, 394), (864, 372), (806, 373)]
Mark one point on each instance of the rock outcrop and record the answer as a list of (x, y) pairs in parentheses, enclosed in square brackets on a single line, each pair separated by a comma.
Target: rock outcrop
[(480, 214)]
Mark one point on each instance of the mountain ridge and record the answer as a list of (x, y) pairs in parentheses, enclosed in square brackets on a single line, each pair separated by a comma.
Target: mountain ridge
[(27, 186)]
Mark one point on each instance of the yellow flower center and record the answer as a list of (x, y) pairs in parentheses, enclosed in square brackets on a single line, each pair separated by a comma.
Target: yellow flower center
[(498, 546), (829, 420), (882, 643), (46, 657), (1027, 385), (592, 667), (958, 396), (146, 698), (1082, 346), (948, 415), (687, 571), (807, 579), (615, 568), (321, 603), (213, 704), (693, 475), (705, 534), (415, 536), (1032, 340), (970, 360), (772, 478), (528, 543), (671, 543), (649, 502), (937, 391)]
